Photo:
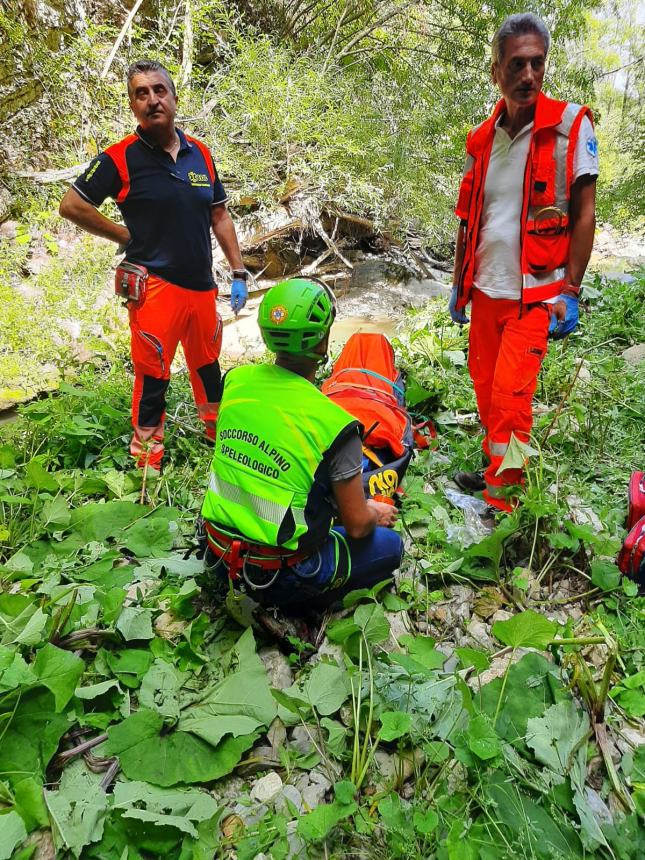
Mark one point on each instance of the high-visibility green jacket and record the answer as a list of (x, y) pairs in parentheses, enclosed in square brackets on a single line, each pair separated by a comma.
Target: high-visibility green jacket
[(269, 480)]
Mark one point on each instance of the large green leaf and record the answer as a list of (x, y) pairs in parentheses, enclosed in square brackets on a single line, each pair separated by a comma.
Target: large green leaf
[(528, 629), (170, 759), (557, 734), (530, 823), (370, 618), (30, 735), (394, 725), (96, 521), (149, 537), (160, 689), (482, 738), (239, 704), (12, 832), (59, 671), (21, 621), (531, 687), (516, 455), (135, 624), (318, 823), (178, 808), (325, 688), (78, 809), (14, 671)]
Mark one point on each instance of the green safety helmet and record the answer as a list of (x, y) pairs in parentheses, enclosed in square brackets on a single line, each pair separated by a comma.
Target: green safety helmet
[(296, 315)]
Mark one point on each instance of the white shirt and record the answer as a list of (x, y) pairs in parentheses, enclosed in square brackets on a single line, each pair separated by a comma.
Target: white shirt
[(497, 259)]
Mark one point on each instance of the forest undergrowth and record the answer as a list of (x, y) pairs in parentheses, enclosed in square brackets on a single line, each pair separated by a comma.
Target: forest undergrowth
[(490, 706)]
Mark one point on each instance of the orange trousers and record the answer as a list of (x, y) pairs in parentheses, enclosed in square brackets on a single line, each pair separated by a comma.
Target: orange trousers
[(171, 315), (506, 349)]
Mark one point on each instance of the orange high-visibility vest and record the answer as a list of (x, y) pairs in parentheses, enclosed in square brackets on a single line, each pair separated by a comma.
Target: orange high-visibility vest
[(545, 230)]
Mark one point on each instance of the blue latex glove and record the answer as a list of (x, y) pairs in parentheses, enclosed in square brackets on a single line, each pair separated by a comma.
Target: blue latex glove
[(457, 316), (559, 329), (239, 294)]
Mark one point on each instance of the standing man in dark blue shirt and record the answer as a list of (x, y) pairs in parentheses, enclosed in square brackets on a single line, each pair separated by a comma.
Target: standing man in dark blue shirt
[(166, 186)]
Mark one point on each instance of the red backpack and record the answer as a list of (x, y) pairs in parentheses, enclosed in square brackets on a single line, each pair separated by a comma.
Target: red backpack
[(631, 558), (636, 499)]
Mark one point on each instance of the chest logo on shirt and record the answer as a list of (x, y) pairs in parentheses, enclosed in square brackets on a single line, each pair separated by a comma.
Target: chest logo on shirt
[(198, 180), (592, 146), (278, 314)]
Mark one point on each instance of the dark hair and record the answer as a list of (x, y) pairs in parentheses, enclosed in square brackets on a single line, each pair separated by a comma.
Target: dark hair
[(519, 25), (143, 66)]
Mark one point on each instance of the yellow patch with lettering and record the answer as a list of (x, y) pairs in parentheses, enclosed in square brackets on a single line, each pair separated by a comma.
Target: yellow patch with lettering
[(383, 483), (198, 180), (90, 173)]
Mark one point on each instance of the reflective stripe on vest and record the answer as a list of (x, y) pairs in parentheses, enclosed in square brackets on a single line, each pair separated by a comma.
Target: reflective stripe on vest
[(273, 430), (548, 177)]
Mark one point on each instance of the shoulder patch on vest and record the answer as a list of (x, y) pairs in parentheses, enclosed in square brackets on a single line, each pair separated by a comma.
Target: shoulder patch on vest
[(592, 146)]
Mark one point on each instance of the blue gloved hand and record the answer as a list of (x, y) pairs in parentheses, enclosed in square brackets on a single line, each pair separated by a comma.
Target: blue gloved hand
[(559, 329), (239, 294), (458, 316)]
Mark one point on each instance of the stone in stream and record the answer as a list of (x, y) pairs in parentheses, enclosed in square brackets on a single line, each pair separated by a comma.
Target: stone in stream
[(634, 355), (267, 788), (279, 673)]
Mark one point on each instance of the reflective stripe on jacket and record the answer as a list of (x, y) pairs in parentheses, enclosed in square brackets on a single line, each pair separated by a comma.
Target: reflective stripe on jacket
[(269, 481), (545, 231)]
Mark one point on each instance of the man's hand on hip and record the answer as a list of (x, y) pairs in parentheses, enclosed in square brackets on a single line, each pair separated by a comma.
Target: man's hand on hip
[(458, 316), (564, 317), (239, 294)]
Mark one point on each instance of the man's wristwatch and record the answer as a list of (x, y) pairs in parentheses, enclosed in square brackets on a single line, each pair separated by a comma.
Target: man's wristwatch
[(572, 290), (240, 274)]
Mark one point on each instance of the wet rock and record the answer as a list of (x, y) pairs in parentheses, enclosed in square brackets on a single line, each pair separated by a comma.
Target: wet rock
[(267, 788), (400, 625), (168, 626), (301, 739), (44, 843), (497, 668), (487, 602), (277, 735), (297, 847), (5, 203), (229, 788), (251, 813), (289, 796), (9, 229), (501, 615), (331, 650), (479, 634), (395, 769), (279, 672), (583, 514), (462, 599), (634, 354), (313, 787)]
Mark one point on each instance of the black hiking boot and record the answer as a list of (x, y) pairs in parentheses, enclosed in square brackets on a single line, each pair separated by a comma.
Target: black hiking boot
[(471, 482)]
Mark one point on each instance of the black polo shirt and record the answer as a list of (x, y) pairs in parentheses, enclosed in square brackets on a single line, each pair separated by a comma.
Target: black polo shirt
[(166, 205)]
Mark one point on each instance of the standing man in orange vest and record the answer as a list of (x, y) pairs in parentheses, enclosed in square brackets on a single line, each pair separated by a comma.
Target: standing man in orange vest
[(166, 186), (527, 211)]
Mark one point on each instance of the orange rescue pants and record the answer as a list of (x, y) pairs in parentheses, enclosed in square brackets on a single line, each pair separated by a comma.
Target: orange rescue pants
[(506, 350), (170, 315)]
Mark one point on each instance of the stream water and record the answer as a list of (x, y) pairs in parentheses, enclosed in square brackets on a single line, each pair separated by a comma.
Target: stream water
[(374, 301)]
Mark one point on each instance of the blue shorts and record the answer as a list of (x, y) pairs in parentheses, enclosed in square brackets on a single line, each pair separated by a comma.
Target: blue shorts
[(326, 577)]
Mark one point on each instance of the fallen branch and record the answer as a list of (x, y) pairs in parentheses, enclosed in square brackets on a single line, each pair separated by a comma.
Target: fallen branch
[(120, 38), (46, 176), (318, 227)]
